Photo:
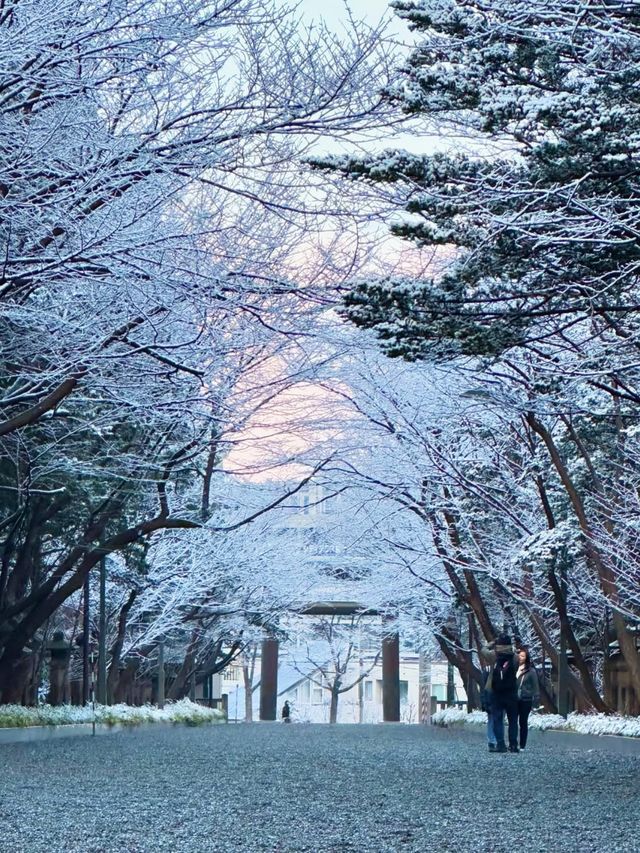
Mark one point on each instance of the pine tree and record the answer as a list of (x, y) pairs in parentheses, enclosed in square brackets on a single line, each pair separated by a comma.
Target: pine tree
[(546, 232), (538, 219)]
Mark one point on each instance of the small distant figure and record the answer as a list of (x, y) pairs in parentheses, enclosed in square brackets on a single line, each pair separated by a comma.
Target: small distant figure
[(286, 712)]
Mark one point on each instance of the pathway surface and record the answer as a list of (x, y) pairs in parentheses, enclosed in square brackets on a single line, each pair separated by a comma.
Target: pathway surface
[(270, 787)]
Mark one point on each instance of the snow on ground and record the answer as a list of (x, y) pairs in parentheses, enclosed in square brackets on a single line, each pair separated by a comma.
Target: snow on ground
[(586, 724), (291, 789)]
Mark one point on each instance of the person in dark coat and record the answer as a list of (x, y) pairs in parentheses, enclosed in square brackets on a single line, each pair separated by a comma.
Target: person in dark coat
[(504, 691), (528, 692), (286, 712)]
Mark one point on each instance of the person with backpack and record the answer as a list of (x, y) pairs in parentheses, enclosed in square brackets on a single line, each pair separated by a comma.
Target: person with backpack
[(528, 692), (504, 691)]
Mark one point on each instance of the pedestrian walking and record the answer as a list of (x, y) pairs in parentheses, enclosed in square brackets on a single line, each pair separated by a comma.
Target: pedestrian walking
[(504, 691), (528, 692), (286, 712)]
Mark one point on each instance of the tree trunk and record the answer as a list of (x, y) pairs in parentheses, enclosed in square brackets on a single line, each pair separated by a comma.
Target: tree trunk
[(467, 590), (607, 578), (575, 684), (248, 705), (248, 671), (474, 596), (462, 660), (13, 690), (592, 693), (333, 708), (116, 649), (180, 685)]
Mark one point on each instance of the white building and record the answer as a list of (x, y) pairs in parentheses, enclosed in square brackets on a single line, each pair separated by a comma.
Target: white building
[(361, 703), (323, 543), (310, 702)]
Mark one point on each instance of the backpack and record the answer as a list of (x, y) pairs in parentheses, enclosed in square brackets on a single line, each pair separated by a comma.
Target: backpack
[(503, 680)]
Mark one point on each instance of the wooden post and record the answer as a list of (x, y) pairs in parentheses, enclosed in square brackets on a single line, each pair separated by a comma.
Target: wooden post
[(391, 679), (269, 679)]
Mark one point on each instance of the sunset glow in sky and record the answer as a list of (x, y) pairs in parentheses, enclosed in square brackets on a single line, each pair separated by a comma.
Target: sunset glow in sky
[(306, 415)]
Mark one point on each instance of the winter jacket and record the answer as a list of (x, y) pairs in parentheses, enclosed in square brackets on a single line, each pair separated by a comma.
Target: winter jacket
[(503, 679), (528, 687), (503, 655)]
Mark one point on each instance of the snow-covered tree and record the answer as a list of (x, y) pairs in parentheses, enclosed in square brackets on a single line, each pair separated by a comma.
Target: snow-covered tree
[(149, 193), (332, 646), (542, 214), (539, 299)]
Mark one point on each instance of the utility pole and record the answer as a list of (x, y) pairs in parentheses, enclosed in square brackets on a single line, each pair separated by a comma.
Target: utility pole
[(102, 637)]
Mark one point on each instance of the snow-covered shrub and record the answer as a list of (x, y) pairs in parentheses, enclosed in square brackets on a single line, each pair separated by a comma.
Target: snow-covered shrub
[(185, 712), (455, 717)]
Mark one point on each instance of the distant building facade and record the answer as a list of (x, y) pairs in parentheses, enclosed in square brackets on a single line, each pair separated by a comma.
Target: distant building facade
[(310, 699)]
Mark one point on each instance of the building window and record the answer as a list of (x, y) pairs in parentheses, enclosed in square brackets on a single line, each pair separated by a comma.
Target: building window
[(404, 692), (232, 673), (623, 699), (439, 691), (305, 504), (368, 691), (316, 695)]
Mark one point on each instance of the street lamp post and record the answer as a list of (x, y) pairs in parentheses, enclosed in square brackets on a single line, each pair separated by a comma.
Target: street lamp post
[(86, 642), (102, 635), (563, 668)]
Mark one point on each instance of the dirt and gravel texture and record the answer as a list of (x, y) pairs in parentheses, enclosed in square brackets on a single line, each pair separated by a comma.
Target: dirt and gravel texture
[(271, 787)]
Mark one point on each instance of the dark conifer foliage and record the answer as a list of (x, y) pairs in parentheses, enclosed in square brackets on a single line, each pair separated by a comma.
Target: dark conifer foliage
[(546, 223)]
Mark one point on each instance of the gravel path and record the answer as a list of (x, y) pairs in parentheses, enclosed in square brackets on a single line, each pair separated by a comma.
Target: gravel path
[(269, 787)]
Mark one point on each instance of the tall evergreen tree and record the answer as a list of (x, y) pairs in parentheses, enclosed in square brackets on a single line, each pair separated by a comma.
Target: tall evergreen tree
[(546, 232), (539, 221)]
